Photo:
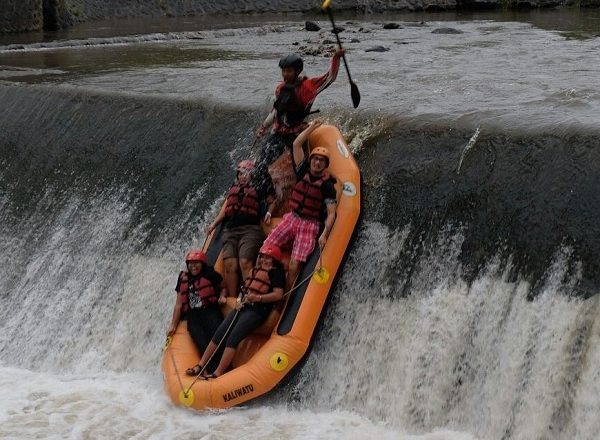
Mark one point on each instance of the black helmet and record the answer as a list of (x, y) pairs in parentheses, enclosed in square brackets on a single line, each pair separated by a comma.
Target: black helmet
[(292, 60)]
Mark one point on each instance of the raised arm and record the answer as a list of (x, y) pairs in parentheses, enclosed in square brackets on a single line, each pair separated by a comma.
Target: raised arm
[(320, 83), (298, 145)]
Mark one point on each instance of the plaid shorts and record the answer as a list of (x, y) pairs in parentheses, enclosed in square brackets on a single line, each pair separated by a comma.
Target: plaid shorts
[(304, 232)]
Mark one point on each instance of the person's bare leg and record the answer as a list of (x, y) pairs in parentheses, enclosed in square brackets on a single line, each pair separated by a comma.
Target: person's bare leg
[(196, 369), (231, 276), (208, 353), (226, 361), (293, 271), (246, 267)]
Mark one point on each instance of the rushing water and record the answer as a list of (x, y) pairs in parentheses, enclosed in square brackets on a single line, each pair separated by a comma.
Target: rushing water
[(468, 305)]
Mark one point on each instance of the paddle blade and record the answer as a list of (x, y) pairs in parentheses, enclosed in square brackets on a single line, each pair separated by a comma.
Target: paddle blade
[(325, 5), (355, 94)]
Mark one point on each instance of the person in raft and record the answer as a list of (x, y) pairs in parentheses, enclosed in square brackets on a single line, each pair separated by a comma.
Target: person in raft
[(312, 205), (260, 291), (198, 299), (242, 234), (294, 97)]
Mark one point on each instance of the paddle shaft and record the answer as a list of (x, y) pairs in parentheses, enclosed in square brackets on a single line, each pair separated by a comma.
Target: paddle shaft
[(337, 37), (354, 93)]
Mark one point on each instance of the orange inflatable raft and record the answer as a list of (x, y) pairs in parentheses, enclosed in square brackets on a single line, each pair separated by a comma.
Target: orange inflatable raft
[(275, 350)]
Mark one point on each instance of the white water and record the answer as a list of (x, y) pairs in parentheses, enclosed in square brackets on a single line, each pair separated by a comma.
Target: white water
[(132, 406), (446, 361), (452, 355)]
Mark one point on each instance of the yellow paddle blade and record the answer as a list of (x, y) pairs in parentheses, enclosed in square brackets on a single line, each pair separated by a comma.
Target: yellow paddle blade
[(326, 4), (186, 399)]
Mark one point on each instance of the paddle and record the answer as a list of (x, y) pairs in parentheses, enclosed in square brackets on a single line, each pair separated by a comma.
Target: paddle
[(354, 93)]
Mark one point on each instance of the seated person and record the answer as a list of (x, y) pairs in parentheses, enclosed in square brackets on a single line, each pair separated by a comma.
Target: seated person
[(242, 234), (197, 299), (261, 290), (313, 203)]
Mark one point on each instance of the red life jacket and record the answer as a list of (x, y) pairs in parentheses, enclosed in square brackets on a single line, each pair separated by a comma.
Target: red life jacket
[(307, 198), (258, 282), (242, 199), (199, 293)]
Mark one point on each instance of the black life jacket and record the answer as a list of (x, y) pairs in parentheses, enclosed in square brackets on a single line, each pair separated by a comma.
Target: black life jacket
[(199, 293), (291, 111), (307, 198), (242, 199)]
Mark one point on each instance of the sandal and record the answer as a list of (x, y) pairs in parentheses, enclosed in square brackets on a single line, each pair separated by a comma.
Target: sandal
[(210, 376), (194, 371)]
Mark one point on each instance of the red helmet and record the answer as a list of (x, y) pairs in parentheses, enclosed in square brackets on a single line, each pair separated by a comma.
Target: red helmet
[(320, 151), (271, 251), (246, 165), (196, 255)]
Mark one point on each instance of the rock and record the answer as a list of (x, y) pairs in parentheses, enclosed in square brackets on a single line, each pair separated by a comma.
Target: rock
[(391, 26), (320, 50), (446, 31), (338, 30), (355, 40), (377, 49), (311, 26), (326, 41)]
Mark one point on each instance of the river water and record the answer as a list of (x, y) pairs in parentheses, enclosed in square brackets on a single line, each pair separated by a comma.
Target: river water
[(468, 305)]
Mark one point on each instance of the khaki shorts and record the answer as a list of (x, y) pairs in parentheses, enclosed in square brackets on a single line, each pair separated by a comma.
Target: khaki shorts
[(242, 242)]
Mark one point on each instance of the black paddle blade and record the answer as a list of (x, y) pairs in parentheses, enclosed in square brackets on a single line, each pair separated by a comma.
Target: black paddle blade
[(355, 94)]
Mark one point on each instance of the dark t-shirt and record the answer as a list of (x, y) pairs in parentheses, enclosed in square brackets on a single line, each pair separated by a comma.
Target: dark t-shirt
[(240, 220), (277, 278)]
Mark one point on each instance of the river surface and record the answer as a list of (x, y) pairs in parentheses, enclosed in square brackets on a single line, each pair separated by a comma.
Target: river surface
[(468, 308)]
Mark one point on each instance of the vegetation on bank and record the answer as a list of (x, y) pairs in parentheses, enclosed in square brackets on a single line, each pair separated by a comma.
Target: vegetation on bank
[(35, 15)]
